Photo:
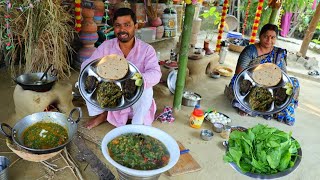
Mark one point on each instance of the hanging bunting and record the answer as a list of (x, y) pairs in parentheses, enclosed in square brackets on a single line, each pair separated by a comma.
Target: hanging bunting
[(256, 22), (77, 14), (222, 22), (246, 17), (8, 37)]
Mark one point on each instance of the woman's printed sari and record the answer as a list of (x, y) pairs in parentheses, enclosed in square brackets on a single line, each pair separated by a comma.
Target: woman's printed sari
[(278, 57)]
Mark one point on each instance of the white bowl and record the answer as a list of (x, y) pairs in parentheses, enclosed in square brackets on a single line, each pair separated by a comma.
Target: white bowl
[(162, 136)]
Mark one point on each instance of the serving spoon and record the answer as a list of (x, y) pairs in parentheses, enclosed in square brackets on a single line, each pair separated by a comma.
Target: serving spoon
[(44, 74)]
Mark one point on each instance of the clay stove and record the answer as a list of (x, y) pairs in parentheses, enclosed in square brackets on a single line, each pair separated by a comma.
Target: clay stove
[(28, 102)]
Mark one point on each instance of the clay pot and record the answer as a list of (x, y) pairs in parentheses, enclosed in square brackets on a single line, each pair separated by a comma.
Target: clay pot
[(155, 22), (88, 26), (98, 11), (159, 32), (87, 13), (85, 53), (88, 39), (98, 5)]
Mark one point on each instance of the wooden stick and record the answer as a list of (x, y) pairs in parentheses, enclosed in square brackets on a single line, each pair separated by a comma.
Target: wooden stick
[(69, 155), (14, 162), (43, 163), (69, 164), (95, 163), (50, 164), (78, 173), (44, 176)]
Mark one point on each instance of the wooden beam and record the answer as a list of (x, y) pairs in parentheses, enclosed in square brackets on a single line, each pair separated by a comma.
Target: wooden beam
[(310, 31)]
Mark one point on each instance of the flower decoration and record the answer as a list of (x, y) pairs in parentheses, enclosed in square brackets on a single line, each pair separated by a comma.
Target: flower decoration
[(280, 14), (246, 17), (8, 37), (106, 9), (223, 17), (191, 2), (256, 22), (77, 13)]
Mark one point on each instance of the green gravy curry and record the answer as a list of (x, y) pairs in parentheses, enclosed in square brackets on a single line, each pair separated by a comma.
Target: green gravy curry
[(138, 151), (44, 135)]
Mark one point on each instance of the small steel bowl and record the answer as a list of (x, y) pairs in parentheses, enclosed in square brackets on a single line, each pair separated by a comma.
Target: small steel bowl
[(190, 99), (206, 134), (215, 74), (217, 127)]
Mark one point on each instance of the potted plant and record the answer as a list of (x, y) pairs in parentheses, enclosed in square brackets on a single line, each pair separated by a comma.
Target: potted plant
[(152, 13)]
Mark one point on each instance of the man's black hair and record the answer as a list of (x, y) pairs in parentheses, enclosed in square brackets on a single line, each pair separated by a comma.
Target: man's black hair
[(268, 27), (125, 12)]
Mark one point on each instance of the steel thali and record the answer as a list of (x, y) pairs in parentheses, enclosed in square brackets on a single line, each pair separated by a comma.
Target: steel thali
[(91, 97), (243, 99)]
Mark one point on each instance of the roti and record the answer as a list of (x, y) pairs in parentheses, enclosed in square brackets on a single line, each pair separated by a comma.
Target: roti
[(267, 74), (112, 67)]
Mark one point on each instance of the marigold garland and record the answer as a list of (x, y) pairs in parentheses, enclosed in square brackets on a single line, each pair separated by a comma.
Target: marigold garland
[(256, 22), (77, 13), (246, 17), (223, 17)]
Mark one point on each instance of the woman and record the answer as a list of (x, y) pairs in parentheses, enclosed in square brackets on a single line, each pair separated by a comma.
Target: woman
[(265, 52)]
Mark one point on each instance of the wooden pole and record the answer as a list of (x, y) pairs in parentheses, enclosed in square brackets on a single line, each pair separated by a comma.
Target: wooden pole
[(310, 31), (183, 55), (238, 15)]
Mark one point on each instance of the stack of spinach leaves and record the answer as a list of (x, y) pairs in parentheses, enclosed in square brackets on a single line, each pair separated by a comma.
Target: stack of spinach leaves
[(262, 150)]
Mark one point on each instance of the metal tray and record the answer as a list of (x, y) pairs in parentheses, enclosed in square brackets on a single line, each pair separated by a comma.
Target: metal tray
[(244, 99), (171, 80), (265, 176), (91, 70)]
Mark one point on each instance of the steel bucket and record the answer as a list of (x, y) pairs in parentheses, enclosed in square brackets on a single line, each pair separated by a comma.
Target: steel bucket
[(4, 166)]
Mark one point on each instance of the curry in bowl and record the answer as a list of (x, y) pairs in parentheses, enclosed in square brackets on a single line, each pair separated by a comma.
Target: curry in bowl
[(138, 151), (44, 135)]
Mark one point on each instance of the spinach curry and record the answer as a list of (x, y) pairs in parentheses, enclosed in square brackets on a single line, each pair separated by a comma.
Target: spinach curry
[(44, 135), (138, 151)]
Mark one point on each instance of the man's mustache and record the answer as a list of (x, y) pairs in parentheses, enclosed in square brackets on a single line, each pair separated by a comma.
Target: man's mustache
[(121, 33)]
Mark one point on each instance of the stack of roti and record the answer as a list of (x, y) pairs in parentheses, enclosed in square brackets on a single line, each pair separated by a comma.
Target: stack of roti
[(267, 74), (112, 67)]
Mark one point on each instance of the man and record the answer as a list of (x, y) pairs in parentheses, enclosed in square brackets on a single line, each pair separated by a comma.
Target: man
[(141, 55)]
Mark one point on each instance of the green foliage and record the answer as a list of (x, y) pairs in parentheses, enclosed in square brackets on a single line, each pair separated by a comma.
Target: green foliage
[(294, 5), (304, 19), (212, 13), (210, 20), (262, 149), (252, 12)]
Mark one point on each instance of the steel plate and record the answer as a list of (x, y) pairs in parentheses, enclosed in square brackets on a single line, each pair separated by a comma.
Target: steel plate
[(90, 70), (266, 176), (171, 80), (244, 99)]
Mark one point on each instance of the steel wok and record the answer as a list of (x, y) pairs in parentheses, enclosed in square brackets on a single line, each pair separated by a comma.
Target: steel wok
[(70, 124), (30, 81)]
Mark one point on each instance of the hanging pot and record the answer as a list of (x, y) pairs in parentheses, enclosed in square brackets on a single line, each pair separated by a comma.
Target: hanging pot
[(16, 133)]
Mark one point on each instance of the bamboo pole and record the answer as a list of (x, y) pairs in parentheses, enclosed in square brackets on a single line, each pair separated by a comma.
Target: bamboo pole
[(273, 16), (183, 55), (310, 31)]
